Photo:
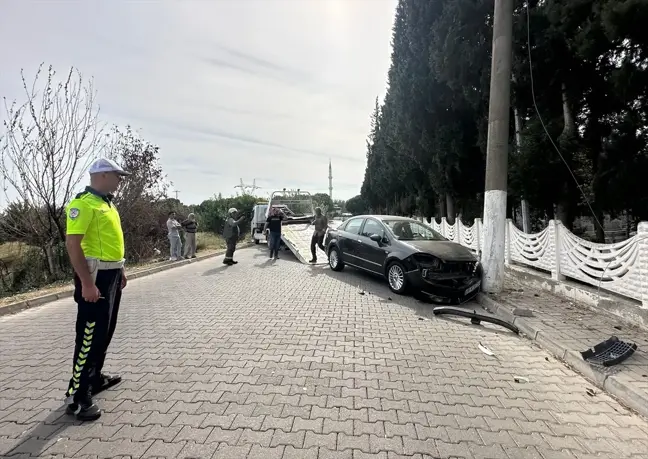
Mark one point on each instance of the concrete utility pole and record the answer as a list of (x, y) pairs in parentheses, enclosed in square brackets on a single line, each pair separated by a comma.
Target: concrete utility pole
[(526, 219), (497, 150)]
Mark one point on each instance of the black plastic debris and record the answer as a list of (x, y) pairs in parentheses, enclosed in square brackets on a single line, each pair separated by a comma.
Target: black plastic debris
[(475, 317), (609, 352), (590, 392)]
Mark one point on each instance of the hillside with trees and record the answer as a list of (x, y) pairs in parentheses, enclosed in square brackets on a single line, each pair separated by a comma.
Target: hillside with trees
[(586, 63)]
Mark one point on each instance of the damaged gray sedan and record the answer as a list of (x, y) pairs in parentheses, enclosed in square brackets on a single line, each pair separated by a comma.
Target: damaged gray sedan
[(410, 255)]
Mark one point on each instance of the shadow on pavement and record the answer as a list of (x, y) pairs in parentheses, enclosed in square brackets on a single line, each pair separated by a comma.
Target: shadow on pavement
[(268, 263), (44, 434), (261, 251), (219, 270)]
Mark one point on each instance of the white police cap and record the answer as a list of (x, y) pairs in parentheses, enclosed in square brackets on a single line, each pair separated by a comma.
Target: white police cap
[(106, 165)]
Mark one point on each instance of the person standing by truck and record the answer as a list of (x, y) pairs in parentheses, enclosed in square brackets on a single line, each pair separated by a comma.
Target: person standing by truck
[(321, 224), (273, 226), (231, 234)]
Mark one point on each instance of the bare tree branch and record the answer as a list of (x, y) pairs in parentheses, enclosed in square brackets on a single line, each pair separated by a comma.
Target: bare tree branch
[(50, 140)]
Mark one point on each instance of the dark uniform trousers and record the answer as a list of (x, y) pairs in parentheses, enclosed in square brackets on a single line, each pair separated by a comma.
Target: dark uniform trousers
[(231, 247), (95, 327), (317, 241)]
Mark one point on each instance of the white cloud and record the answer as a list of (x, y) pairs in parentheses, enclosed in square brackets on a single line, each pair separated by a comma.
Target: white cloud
[(265, 89)]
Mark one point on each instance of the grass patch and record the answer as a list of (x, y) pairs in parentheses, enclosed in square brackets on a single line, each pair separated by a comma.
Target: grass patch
[(207, 242)]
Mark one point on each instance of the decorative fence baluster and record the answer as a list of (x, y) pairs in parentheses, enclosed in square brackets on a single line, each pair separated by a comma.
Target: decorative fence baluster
[(642, 240)]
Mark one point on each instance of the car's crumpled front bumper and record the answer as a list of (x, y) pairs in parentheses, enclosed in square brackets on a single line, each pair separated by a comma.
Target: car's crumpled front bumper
[(448, 285)]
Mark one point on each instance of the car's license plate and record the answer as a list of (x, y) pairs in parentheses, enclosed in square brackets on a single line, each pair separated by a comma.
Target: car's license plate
[(472, 288)]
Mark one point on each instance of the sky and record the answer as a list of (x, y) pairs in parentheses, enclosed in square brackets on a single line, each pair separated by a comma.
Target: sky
[(229, 89)]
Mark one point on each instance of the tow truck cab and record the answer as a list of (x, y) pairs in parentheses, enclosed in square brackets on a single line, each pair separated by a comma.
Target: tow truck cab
[(259, 212)]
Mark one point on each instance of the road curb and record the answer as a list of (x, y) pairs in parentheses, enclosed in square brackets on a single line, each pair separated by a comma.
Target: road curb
[(612, 384), (50, 297)]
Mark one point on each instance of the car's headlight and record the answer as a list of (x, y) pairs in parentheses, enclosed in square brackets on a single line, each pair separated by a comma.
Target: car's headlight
[(428, 262)]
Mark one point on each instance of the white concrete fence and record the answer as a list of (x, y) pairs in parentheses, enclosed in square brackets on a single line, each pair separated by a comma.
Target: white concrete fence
[(621, 267)]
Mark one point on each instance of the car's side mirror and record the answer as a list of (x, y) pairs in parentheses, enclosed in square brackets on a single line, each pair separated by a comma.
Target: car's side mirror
[(376, 238)]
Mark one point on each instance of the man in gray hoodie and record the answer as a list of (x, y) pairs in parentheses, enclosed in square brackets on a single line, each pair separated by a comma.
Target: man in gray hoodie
[(231, 234)]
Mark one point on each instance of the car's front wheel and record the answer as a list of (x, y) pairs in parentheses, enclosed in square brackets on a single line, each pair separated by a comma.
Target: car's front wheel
[(335, 260), (396, 278)]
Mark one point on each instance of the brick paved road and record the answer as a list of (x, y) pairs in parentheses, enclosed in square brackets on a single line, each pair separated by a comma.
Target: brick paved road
[(282, 360)]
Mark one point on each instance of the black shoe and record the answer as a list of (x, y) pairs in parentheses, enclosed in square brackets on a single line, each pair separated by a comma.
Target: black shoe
[(314, 260), (193, 256), (234, 262), (105, 382), (228, 262), (84, 411)]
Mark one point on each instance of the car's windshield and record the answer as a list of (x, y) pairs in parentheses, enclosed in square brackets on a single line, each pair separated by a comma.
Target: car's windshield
[(405, 230)]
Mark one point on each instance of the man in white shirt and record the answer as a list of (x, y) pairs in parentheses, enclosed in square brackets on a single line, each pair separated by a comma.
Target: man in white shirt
[(174, 237)]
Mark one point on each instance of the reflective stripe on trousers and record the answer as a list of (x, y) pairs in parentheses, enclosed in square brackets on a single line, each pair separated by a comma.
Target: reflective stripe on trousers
[(82, 358)]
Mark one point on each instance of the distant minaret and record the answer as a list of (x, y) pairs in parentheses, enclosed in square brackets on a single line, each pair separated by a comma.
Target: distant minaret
[(330, 181)]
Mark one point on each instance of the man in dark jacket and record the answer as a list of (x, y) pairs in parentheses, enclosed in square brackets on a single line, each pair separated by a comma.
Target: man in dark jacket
[(273, 226), (231, 234), (321, 225)]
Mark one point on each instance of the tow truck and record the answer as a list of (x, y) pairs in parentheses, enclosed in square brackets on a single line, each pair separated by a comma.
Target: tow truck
[(297, 206)]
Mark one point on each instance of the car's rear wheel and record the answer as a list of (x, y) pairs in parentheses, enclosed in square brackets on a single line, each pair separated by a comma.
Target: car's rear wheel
[(396, 278), (256, 241), (335, 260)]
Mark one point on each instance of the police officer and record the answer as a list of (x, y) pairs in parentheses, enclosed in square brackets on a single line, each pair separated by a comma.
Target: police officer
[(95, 244)]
